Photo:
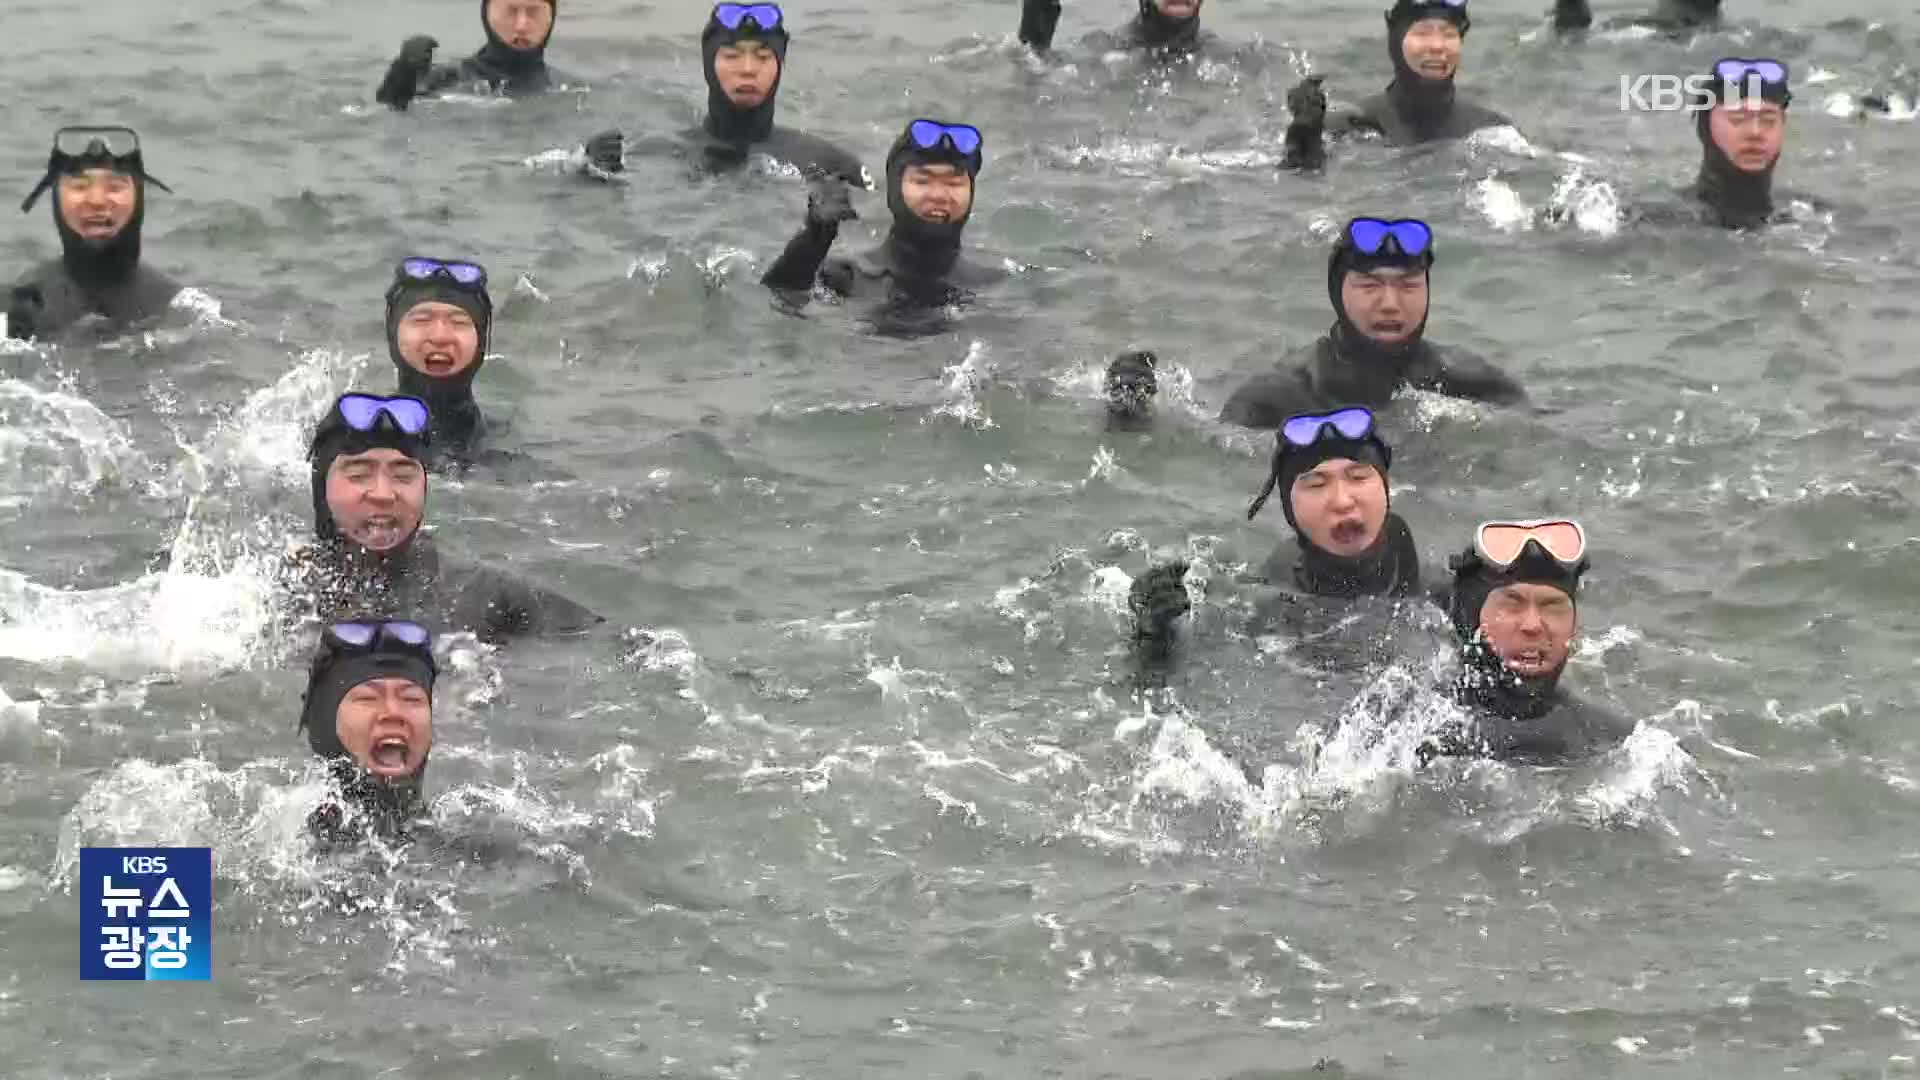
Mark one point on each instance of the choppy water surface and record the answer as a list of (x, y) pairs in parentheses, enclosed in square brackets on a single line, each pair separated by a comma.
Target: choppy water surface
[(854, 785)]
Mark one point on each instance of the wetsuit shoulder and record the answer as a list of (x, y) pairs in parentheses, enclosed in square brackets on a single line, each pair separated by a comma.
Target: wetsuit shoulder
[(1267, 399), (496, 604), (1459, 373), (851, 277)]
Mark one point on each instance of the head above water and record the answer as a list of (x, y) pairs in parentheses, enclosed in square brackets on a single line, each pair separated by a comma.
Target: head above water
[(1170, 10), (1516, 591), (439, 321), (931, 170), (1742, 117), (1132, 383), (744, 53), (369, 476), (1377, 278), (369, 699), (1425, 38), (99, 180), (521, 27), (1331, 472)]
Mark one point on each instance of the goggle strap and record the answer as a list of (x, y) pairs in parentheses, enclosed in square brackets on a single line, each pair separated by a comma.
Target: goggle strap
[(1260, 500)]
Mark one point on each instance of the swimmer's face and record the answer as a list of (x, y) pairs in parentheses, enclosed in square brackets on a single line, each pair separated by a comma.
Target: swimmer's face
[(98, 203), (1749, 132), (1386, 305), (522, 24), (387, 725), (1530, 627), (1178, 9), (437, 340), (377, 498), (1432, 48), (1341, 506), (937, 193), (747, 72)]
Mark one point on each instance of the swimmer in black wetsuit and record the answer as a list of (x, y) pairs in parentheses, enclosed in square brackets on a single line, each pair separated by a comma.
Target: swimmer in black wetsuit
[(1668, 16), (743, 54), (931, 171), (1742, 125), (1514, 603), (1331, 472), (368, 712), (1424, 39), (1165, 29), (1132, 384), (99, 183), (1377, 278), (512, 62), (439, 320), (370, 552)]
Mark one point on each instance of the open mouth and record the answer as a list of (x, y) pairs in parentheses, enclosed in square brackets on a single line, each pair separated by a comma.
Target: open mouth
[(1389, 328), (389, 756), (1432, 69), (1529, 662), (939, 215), (381, 531), (1349, 532), (439, 363)]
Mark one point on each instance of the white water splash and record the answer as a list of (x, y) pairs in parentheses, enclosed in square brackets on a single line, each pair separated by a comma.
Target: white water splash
[(964, 384), (51, 439), (1502, 206)]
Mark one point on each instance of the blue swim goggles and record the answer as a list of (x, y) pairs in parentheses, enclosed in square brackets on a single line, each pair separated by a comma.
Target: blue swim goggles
[(929, 134), (363, 412), (732, 16), (369, 636), (1370, 236)]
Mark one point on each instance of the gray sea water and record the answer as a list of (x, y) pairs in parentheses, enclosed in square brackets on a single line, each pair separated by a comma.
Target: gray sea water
[(853, 786)]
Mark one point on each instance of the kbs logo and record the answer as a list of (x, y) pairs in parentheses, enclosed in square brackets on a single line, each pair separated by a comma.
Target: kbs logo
[(146, 913), (1690, 93)]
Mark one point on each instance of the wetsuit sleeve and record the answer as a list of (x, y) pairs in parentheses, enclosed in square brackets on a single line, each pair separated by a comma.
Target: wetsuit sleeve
[(799, 265), (515, 607), (1466, 375), (1265, 401), (1038, 18)]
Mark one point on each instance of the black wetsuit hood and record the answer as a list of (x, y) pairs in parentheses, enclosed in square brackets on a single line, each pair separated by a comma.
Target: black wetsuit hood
[(1485, 680), (502, 64), (1360, 355), (1738, 199), (726, 121), (916, 247), (333, 438), (1156, 31), (387, 804), (98, 264), (1424, 105), (1390, 566), (456, 417)]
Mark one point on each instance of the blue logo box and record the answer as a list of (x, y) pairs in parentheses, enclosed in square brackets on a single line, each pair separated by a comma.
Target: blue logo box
[(146, 913)]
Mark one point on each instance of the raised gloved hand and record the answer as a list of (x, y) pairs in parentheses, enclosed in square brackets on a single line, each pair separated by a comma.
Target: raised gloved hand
[(1306, 149), (24, 309), (1308, 103), (607, 152), (1157, 598), (402, 83), (1572, 15), (828, 204)]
